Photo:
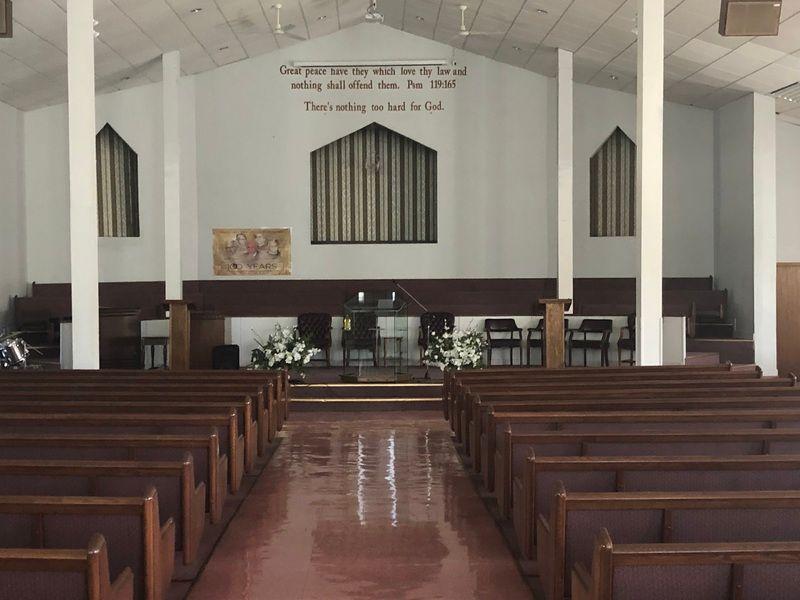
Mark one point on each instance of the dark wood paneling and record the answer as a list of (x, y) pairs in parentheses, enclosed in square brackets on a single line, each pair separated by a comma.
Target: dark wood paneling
[(290, 297), (788, 290)]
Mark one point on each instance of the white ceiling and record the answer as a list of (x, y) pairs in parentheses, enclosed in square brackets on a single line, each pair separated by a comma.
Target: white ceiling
[(701, 67)]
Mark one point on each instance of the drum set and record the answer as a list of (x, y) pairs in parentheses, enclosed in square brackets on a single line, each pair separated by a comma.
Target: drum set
[(13, 353)]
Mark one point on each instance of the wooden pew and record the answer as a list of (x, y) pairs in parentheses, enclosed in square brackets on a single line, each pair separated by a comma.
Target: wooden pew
[(230, 442), (452, 379), (512, 453), (68, 402), (267, 423), (210, 467), (274, 386), (132, 527), (567, 533), (179, 498), (711, 571), (650, 418), (33, 574), (479, 423), (642, 388), (533, 495)]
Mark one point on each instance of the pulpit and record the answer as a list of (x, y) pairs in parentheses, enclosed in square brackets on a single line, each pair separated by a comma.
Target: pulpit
[(553, 336)]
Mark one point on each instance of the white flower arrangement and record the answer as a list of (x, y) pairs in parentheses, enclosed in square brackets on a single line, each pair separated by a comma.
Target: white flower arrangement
[(284, 349), (455, 349)]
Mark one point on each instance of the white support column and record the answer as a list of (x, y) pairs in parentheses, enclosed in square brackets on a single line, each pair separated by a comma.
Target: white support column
[(82, 186), (765, 254), (565, 160), (649, 181), (171, 66)]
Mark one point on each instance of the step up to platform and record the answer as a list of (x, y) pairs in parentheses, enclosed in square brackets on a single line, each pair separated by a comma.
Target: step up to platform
[(367, 396), (714, 330), (729, 350)]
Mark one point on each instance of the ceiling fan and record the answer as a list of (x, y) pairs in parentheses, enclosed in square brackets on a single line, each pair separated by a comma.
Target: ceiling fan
[(280, 29), (373, 15), (464, 32)]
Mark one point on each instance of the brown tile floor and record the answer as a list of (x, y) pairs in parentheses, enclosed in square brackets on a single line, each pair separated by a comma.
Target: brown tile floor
[(362, 506)]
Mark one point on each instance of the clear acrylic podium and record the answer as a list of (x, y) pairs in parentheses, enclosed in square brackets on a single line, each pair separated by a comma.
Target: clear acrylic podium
[(375, 338)]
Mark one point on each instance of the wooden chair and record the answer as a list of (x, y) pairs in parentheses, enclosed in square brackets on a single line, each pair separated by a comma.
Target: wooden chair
[(316, 327), (433, 323), (36, 573), (362, 335), (493, 327), (627, 341), (601, 327)]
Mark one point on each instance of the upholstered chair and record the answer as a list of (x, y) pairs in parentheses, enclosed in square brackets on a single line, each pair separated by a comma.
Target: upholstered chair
[(433, 323), (316, 327), (363, 335)]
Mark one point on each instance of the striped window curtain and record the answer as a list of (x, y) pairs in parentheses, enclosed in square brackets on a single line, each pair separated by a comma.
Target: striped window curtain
[(612, 186), (117, 186), (373, 186)]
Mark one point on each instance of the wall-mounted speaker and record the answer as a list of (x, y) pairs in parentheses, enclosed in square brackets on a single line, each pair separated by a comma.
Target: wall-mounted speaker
[(749, 17), (6, 28)]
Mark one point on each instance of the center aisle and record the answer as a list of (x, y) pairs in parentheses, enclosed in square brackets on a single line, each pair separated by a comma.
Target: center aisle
[(360, 505)]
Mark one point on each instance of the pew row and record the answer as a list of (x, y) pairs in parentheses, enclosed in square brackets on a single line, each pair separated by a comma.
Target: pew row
[(512, 453), (226, 426), (34, 573), (566, 535), (651, 419), (210, 467), (534, 493), (711, 571), (136, 539), (179, 498), (76, 404)]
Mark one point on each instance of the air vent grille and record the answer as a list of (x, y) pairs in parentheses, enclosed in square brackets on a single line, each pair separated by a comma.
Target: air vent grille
[(787, 98), (749, 17)]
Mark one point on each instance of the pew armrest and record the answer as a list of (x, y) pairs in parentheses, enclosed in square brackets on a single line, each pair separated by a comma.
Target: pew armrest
[(221, 489), (581, 583), (195, 525), (166, 556), (122, 588)]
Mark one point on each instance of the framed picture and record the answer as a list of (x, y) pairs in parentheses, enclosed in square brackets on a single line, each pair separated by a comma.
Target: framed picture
[(252, 252)]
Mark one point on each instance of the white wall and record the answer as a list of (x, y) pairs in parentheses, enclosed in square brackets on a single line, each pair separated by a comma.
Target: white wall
[(788, 180), (688, 186), (734, 210), (12, 221), (246, 141), (136, 115)]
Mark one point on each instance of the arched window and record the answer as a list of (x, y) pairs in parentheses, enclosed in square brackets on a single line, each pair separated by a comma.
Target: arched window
[(373, 186), (117, 186), (612, 188)]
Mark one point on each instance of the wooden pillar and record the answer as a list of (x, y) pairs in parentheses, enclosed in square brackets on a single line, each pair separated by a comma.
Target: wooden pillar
[(84, 271), (554, 331), (179, 335)]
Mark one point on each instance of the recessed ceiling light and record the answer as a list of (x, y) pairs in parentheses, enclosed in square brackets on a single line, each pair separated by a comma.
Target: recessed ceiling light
[(126, 78), (420, 18), (613, 77), (517, 48), (224, 48), (194, 11), (542, 11), (322, 17)]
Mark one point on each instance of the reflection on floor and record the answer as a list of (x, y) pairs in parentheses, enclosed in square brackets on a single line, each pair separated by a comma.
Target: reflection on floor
[(359, 505)]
